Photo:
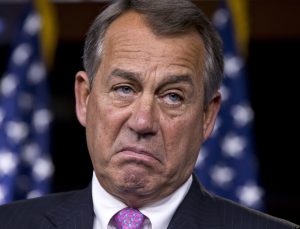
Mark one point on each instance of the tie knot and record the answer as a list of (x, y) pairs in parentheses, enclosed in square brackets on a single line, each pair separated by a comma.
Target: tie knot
[(129, 218)]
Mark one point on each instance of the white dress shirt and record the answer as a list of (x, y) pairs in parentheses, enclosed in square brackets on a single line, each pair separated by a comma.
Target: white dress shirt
[(159, 213)]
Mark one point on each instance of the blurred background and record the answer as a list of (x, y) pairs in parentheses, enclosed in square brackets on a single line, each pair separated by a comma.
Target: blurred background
[(272, 68)]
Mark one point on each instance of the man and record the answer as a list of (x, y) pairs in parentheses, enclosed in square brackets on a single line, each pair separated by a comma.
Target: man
[(148, 99)]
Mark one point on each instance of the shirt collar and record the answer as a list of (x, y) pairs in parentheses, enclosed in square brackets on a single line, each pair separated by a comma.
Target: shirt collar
[(161, 212), (106, 205)]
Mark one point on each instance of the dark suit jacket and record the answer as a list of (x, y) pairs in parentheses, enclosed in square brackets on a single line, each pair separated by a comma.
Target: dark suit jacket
[(74, 210)]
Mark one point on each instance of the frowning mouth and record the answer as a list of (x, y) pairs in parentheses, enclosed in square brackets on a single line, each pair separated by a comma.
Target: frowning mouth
[(139, 153)]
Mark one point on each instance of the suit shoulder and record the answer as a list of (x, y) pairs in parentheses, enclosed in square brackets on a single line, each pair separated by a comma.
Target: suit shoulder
[(31, 211), (235, 214), (38, 203)]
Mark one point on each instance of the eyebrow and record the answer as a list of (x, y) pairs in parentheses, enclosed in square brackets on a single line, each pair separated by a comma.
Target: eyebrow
[(170, 79), (174, 79), (128, 75)]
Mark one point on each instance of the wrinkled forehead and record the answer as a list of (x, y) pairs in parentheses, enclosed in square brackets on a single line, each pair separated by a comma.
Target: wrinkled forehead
[(131, 19), (130, 39)]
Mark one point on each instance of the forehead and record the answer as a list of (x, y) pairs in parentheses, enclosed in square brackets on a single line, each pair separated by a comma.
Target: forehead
[(130, 41)]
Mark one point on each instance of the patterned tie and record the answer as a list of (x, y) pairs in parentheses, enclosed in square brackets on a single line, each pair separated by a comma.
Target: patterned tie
[(129, 218)]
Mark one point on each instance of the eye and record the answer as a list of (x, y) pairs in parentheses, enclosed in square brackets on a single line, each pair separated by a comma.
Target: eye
[(124, 90), (173, 98)]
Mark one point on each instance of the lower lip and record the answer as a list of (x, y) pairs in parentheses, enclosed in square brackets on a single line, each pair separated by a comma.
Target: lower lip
[(138, 156)]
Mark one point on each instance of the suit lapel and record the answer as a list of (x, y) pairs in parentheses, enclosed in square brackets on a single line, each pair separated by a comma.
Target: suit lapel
[(198, 210), (76, 212)]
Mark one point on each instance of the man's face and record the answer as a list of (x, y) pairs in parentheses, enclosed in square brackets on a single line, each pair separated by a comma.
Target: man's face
[(144, 115)]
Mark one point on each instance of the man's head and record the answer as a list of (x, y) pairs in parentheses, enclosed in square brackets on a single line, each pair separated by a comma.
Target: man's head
[(148, 98), (165, 18)]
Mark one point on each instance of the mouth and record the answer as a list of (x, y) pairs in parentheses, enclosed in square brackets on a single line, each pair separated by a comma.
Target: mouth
[(139, 154)]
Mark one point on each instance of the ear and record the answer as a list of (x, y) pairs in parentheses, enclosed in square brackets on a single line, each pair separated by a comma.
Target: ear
[(210, 115), (82, 91)]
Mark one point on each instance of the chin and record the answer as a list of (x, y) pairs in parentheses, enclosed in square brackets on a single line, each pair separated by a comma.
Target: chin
[(134, 177), (134, 180)]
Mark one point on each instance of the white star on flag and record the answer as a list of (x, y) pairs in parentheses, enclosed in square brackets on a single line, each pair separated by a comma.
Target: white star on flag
[(228, 164), (25, 164)]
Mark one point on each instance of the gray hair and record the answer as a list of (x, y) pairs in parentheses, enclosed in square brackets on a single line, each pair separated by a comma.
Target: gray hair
[(165, 17)]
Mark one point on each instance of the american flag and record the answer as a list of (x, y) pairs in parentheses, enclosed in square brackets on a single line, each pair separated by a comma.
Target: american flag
[(25, 164), (227, 163)]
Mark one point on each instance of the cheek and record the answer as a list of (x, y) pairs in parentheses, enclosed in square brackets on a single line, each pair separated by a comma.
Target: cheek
[(183, 138), (98, 128), (104, 123)]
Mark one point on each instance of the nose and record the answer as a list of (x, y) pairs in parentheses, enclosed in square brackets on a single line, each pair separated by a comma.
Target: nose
[(143, 119)]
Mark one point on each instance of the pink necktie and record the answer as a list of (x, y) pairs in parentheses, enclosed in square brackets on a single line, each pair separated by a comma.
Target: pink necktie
[(129, 218)]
